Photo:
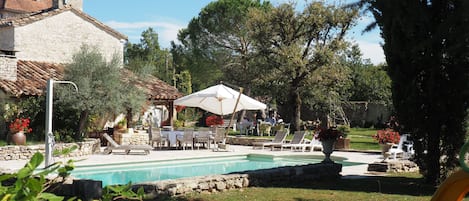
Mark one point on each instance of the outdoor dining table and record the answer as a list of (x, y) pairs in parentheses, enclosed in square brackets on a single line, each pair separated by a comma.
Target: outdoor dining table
[(173, 135)]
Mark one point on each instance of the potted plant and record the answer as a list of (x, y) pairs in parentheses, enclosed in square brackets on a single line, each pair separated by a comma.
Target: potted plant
[(386, 138), (328, 138), (343, 142), (18, 128)]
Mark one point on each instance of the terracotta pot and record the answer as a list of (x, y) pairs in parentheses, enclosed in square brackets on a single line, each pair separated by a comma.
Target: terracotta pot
[(342, 143), (19, 138)]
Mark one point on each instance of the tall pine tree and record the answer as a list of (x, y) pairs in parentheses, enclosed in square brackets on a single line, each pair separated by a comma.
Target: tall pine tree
[(426, 44)]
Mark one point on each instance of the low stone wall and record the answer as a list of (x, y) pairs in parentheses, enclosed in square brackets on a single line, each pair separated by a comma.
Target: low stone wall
[(246, 141), (393, 166), (87, 147), (134, 138), (266, 177)]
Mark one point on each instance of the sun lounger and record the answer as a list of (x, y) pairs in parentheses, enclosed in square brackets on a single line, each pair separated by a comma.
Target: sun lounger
[(112, 145), (296, 142), (278, 140)]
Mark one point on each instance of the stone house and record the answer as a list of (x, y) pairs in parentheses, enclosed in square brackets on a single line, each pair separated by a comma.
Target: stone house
[(37, 37)]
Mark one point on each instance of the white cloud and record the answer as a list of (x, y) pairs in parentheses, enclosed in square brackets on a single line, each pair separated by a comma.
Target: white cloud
[(372, 51), (167, 32)]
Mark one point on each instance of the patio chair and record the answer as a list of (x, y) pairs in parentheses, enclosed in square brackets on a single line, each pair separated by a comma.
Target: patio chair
[(187, 138), (112, 145), (264, 128), (278, 140), (398, 148), (157, 138), (202, 137), (296, 142), (219, 136), (313, 144)]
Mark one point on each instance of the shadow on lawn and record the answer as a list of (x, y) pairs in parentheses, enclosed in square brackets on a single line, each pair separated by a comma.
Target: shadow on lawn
[(370, 184)]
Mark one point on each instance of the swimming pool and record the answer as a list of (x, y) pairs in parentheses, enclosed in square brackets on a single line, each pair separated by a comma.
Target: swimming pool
[(173, 169)]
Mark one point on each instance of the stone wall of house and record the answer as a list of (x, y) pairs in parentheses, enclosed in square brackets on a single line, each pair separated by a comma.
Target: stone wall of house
[(87, 147), (57, 38), (134, 138), (8, 68)]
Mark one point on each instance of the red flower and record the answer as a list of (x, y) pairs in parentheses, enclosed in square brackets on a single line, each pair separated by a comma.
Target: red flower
[(387, 136), (20, 124), (214, 120)]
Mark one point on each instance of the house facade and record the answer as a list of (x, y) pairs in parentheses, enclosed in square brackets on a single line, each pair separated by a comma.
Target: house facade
[(55, 34), (38, 37), (47, 32)]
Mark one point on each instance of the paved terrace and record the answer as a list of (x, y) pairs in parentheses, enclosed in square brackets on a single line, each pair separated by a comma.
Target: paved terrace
[(155, 155)]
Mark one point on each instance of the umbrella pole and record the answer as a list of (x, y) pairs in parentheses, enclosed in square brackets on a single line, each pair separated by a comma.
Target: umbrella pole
[(233, 114)]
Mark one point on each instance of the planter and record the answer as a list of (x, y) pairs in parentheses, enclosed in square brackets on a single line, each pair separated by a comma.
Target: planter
[(19, 138), (327, 149), (385, 151), (342, 143)]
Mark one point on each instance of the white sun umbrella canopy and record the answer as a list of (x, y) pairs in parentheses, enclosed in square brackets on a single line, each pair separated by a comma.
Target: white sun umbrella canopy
[(219, 99)]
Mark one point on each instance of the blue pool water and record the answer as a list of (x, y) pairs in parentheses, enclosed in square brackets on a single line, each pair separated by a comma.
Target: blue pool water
[(163, 170)]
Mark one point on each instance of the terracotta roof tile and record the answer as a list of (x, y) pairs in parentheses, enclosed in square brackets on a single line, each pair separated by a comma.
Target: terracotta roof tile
[(156, 88), (25, 5), (34, 17), (32, 79)]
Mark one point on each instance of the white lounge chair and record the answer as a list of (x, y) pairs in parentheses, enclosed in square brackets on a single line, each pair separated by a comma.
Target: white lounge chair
[(296, 142), (398, 148), (112, 145), (278, 140), (313, 144)]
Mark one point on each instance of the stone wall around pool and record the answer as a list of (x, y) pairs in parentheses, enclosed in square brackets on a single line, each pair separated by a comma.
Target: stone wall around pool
[(266, 177)]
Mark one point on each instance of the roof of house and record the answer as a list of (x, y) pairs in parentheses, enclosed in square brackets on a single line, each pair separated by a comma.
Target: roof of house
[(156, 88), (24, 6), (36, 16), (32, 79)]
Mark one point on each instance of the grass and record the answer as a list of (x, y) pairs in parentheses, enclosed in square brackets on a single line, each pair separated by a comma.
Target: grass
[(361, 139), (394, 187)]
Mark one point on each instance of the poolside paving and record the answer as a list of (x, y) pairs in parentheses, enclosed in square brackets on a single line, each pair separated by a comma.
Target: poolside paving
[(156, 155)]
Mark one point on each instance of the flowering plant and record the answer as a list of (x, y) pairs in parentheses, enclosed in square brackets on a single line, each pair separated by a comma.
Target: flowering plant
[(329, 134), (214, 120), (20, 124), (387, 136)]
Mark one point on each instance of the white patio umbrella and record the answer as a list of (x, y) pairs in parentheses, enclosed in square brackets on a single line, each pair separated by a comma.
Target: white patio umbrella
[(220, 99)]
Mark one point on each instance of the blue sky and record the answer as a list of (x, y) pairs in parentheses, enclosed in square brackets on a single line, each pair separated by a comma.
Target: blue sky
[(167, 17)]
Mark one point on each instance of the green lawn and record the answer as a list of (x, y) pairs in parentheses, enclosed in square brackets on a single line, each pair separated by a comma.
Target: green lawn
[(395, 187), (360, 139)]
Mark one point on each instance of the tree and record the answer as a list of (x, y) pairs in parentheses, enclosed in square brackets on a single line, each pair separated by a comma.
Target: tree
[(426, 46), (99, 84), (147, 57), (370, 82), (296, 45), (219, 35)]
